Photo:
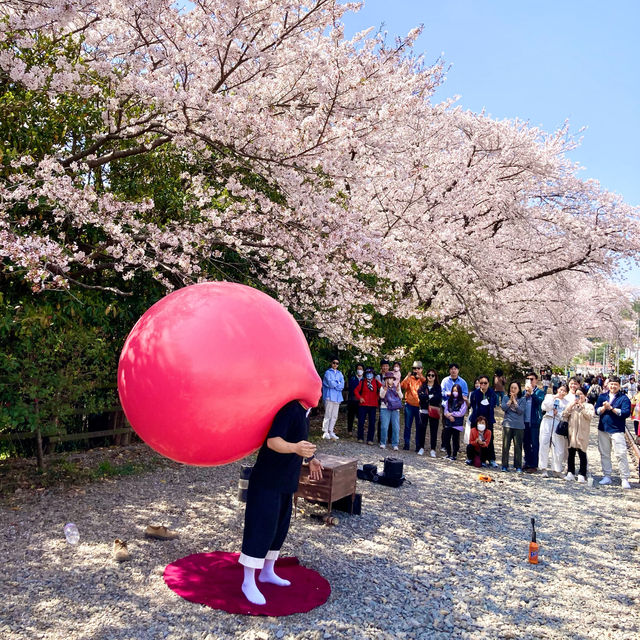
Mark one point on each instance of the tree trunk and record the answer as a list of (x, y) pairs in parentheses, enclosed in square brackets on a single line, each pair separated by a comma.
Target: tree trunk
[(39, 453)]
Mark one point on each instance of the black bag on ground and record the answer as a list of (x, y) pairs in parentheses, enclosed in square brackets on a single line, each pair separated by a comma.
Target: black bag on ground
[(392, 474), (390, 482), (368, 472), (393, 468)]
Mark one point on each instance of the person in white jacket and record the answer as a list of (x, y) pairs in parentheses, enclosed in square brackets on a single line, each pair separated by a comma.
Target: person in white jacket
[(553, 406)]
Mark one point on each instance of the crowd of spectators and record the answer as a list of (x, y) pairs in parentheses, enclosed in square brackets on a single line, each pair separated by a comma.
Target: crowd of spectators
[(546, 422)]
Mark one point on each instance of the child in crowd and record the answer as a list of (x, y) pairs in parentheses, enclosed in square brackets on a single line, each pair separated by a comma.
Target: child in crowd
[(454, 411), (479, 440)]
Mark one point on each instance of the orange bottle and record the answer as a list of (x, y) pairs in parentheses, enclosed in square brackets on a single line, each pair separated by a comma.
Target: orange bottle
[(533, 545)]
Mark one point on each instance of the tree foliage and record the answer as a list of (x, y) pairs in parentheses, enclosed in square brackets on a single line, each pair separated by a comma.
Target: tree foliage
[(248, 139)]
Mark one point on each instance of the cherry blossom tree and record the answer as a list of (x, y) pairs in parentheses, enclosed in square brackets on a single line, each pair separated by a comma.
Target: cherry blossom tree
[(321, 162)]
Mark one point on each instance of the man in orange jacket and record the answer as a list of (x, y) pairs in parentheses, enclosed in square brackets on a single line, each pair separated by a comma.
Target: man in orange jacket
[(410, 386)]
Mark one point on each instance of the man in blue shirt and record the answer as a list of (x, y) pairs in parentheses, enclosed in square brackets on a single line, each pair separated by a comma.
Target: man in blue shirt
[(613, 407), (332, 386), (450, 380), (532, 418)]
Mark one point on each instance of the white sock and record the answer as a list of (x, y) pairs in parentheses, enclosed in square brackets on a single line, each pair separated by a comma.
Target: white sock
[(268, 575), (249, 587)]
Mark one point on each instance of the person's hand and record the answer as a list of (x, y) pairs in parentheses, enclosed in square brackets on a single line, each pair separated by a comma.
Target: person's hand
[(315, 469), (361, 400), (606, 406), (305, 449), (451, 418)]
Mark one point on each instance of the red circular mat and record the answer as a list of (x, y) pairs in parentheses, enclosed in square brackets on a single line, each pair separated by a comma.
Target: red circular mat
[(215, 579)]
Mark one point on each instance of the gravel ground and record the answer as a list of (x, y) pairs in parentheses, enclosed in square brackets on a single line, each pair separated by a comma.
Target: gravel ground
[(443, 556)]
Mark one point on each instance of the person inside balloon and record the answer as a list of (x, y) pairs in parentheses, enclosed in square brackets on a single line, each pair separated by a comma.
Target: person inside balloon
[(273, 481)]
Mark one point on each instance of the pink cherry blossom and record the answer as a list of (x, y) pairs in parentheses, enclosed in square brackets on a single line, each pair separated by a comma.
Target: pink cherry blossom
[(459, 216)]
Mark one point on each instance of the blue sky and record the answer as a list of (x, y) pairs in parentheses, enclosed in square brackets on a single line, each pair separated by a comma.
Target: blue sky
[(544, 62)]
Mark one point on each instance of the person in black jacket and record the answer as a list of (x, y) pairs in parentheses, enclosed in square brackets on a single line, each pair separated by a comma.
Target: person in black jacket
[(353, 404), (273, 481), (430, 395)]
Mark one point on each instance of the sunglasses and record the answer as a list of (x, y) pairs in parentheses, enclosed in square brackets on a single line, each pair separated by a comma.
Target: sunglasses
[(431, 375), (335, 362)]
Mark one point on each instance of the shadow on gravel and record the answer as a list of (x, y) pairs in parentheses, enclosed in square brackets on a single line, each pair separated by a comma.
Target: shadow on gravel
[(444, 556)]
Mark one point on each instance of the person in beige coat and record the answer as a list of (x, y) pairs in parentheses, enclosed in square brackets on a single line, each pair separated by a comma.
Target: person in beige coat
[(578, 414)]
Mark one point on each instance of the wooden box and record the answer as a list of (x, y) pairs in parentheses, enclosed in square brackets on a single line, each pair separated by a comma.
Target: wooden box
[(338, 481)]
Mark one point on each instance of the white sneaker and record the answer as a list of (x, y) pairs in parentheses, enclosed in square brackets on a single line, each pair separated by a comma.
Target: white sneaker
[(433, 453), (443, 449), (421, 452), (326, 436), (581, 479), (605, 480), (545, 474), (333, 436), (569, 476), (395, 448), (625, 484), (383, 446)]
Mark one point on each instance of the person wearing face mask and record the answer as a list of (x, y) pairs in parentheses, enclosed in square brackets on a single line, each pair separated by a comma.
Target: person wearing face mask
[(454, 411), (446, 386), (578, 414), (352, 402), (483, 401), (397, 374), (385, 365), (367, 393), (479, 441), (613, 407), (553, 406)]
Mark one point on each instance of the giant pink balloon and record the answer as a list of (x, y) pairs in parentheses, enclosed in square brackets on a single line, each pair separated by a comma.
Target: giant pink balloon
[(204, 371)]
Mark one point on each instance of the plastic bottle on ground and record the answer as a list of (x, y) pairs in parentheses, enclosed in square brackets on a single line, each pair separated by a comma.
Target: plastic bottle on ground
[(71, 533)]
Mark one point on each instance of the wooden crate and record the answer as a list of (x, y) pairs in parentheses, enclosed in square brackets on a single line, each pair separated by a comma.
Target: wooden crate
[(338, 481)]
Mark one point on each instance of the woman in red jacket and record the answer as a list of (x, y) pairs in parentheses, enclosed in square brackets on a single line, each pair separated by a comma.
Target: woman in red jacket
[(479, 439), (367, 394)]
